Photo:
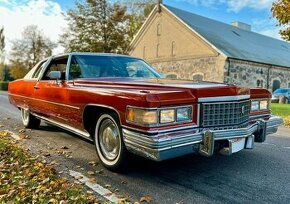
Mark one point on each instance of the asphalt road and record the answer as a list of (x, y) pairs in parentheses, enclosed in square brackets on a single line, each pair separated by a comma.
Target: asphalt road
[(261, 175)]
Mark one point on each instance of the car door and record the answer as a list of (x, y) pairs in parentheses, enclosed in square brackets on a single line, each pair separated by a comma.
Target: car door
[(51, 94)]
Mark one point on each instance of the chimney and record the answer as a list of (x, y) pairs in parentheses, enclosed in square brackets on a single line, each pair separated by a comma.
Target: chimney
[(241, 25), (159, 2)]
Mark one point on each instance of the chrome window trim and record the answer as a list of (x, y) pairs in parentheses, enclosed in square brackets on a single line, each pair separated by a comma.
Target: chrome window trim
[(223, 98)]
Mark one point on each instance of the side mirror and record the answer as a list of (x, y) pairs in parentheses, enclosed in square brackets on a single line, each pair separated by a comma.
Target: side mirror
[(54, 75)]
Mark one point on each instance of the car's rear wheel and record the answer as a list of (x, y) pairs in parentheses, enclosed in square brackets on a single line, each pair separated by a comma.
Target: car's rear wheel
[(28, 120), (109, 142)]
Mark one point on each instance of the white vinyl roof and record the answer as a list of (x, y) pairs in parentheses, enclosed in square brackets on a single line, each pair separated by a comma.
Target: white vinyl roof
[(235, 42)]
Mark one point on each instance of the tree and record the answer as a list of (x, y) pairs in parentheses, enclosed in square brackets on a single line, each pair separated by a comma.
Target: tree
[(2, 54), (281, 11), (138, 11), (96, 26), (27, 51)]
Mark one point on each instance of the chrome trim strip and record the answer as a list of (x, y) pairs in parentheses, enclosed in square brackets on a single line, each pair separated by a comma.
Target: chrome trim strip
[(253, 117), (45, 101), (224, 98), (160, 131), (81, 133), (102, 106)]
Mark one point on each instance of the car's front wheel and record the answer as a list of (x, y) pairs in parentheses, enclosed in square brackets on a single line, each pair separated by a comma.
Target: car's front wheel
[(109, 142), (28, 120)]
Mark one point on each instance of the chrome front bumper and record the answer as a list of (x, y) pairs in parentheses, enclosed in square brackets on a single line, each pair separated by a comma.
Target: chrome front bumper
[(162, 146)]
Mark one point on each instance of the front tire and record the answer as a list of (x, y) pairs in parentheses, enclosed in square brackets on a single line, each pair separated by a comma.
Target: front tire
[(109, 143), (28, 120)]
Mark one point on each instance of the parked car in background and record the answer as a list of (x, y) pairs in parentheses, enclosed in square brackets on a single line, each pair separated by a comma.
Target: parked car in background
[(123, 105), (281, 92)]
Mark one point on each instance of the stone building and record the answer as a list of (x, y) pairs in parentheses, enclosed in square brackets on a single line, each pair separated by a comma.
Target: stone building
[(184, 45)]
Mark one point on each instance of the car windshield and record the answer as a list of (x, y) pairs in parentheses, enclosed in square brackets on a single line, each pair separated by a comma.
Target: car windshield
[(280, 91), (92, 66)]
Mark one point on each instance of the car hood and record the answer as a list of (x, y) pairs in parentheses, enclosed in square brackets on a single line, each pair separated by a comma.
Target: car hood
[(171, 91)]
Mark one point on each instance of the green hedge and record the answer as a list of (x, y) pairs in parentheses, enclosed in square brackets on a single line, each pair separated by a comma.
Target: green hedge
[(4, 85)]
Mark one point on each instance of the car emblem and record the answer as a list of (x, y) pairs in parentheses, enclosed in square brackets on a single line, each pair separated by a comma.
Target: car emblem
[(243, 110)]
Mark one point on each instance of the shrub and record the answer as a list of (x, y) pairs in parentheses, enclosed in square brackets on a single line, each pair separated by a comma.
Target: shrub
[(4, 85)]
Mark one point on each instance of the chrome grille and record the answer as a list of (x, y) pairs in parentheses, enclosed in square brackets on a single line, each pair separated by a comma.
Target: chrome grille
[(225, 113)]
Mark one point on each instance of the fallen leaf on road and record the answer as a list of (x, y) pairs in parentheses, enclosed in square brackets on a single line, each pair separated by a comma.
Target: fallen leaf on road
[(64, 147), (124, 182), (93, 163), (91, 173), (136, 202), (108, 186), (107, 194), (21, 131), (78, 177), (146, 199), (1, 126), (93, 180)]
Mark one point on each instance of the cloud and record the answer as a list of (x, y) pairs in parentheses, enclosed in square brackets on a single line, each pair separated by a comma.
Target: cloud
[(238, 5), (233, 5), (16, 15)]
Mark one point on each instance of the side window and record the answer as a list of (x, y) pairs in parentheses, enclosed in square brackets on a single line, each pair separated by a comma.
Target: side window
[(37, 72), (56, 65)]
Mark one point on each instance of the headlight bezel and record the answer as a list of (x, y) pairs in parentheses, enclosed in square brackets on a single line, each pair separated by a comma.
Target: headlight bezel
[(265, 107), (159, 122)]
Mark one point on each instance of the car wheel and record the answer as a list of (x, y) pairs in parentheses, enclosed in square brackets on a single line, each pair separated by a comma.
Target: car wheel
[(109, 143), (28, 120)]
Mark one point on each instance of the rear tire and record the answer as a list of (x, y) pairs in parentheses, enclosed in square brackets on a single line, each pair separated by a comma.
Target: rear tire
[(28, 120), (109, 143)]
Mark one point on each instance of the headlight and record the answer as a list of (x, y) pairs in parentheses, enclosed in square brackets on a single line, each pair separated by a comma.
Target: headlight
[(263, 105), (159, 116), (167, 116), (255, 106), (142, 116), (183, 114), (259, 105)]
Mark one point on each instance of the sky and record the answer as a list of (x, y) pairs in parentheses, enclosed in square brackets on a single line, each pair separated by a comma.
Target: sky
[(47, 15)]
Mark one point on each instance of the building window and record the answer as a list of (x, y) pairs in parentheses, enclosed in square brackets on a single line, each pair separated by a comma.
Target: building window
[(260, 83), (197, 77), (276, 85), (171, 76), (157, 50), (144, 52), (173, 48), (158, 29)]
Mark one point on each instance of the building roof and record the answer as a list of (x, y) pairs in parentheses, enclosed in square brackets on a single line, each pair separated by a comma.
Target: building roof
[(235, 42)]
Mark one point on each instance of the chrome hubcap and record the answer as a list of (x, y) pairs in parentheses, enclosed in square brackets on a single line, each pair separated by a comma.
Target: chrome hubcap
[(109, 139), (25, 115)]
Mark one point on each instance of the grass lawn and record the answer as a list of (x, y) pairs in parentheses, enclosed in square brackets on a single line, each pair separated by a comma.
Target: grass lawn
[(282, 110)]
